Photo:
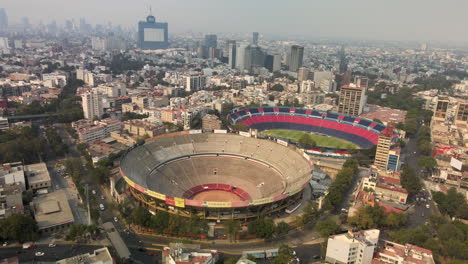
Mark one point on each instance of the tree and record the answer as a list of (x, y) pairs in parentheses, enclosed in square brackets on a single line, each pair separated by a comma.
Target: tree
[(285, 254), (410, 180), (327, 227), (277, 87), (282, 227), (160, 221), (239, 127), (427, 162), (271, 97), (306, 141), (19, 227), (232, 228), (141, 216), (262, 227)]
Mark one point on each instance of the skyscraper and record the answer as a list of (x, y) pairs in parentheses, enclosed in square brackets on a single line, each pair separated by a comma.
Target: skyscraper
[(240, 55), (152, 35), (3, 19), (296, 55), (255, 38), (343, 60), (231, 44), (211, 41), (276, 62), (352, 99)]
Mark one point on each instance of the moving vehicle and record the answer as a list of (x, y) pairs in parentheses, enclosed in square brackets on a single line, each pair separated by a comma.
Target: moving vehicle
[(101, 206), (428, 206), (39, 254), (51, 245), (93, 192), (116, 219)]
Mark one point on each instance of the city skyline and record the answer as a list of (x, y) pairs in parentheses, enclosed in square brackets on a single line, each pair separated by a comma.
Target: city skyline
[(361, 19)]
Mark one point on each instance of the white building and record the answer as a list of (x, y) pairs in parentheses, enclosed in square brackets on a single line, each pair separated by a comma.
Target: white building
[(100, 256), (92, 104), (111, 90), (393, 253), (307, 86), (195, 83), (352, 247), (3, 123), (52, 80)]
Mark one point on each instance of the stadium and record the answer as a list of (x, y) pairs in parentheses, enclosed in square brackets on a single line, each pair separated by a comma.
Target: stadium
[(216, 175), (361, 132)]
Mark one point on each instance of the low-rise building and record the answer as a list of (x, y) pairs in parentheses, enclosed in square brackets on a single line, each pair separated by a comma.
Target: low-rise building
[(11, 200), (178, 253), (391, 252), (99, 256), (352, 247), (142, 128), (38, 176), (52, 212), (89, 131), (211, 122)]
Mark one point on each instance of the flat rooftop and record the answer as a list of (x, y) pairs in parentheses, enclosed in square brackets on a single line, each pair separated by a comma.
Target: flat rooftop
[(37, 173), (99, 256), (52, 209)]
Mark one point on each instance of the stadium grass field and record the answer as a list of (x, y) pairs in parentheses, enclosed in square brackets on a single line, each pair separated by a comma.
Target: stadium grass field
[(322, 141)]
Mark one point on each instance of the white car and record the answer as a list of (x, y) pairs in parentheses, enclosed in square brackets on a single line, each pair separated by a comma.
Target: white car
[(39, 254), (116, 219), (102, 197), (101, 206), (5, 244), (51, 245), (93, 192), (428, 206)]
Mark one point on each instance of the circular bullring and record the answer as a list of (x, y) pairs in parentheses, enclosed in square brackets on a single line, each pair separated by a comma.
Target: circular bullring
[(217, 175), (359, 131)]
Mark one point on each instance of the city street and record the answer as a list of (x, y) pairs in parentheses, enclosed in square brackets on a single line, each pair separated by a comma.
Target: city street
[(50, 254)]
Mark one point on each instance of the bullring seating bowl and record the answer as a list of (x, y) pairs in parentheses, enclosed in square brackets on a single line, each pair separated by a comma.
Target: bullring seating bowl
[(178, 166)]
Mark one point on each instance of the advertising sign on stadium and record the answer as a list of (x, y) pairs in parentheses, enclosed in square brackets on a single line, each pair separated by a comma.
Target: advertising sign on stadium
[(306, 156), (197, 131), (240, 204), (194, 203), (217, 204), (282, 142), (179, 202), (170, 200), (456, 163), (220, 131), (156, 195), (245, 134), (262, 201)]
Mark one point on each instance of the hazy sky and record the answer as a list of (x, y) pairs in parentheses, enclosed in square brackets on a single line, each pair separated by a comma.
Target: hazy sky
[(420, 20)]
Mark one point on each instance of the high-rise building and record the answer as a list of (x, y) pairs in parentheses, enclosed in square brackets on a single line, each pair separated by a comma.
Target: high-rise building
[(195, 83), (211, 41), (352, 99), (383, 148), (462, 111), (269, 59), (441, 107), (152, 35), (296, 56), (255, 38), (361, 81), (240, 55), (352, 247), (3, 19), (92, 104), (231, 44), (276, 62), (343, 61), (303, 74)]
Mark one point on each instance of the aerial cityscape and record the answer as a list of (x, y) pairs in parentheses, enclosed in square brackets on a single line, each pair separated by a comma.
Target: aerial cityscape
[(190, 132)]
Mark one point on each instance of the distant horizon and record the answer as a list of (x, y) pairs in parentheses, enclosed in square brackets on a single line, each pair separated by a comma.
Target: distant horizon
[(401, 21)]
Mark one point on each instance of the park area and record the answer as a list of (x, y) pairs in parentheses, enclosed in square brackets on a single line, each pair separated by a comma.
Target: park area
[(321, 141)]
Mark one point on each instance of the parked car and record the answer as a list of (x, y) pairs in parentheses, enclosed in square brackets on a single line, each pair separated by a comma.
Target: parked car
[(116, 219), (51, 245), (5, 244), (428, 206), (39, 254), (93, 192), (101, 206)]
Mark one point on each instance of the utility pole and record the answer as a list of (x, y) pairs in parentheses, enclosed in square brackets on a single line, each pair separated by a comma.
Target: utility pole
[(87, 199)]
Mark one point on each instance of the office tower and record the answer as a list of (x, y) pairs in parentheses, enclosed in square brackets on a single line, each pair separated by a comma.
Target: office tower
[(361, 81), (211, 41), (276, 62), (195, 83), (92, 104), (152, 35), (303, 74), (269, 59), (383, 148), (3, 20), (255, 38), (296, 55), (352, 99), (240, 55), (231, 44), (257, 56), (352, 247), (343, 61)]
